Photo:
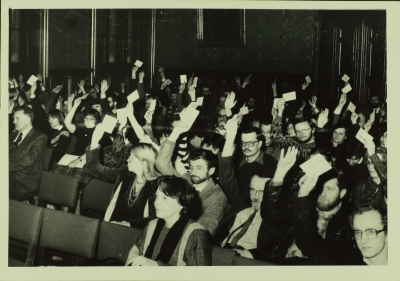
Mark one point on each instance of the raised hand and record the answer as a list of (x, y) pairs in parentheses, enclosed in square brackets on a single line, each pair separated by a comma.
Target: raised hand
[(304, 85), (237, 79), (246, 81), (104, 86), (307, 184), (182, 87), (286, 161), (273, 86), (313, 101), (343, 99), (148, 116), (370, 146), (281, 106), (323, 118), (135, 68), (192, 93), (141, 76), (368, 126), (77, 101), (230, 101), (80, 85), (354, 117), (96, 87), (232, 126)]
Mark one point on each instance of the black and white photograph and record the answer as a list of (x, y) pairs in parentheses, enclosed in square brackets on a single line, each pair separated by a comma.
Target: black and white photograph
[(211, 135)]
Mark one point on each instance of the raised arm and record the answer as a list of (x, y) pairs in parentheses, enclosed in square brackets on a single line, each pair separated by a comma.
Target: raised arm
[(68, 119)]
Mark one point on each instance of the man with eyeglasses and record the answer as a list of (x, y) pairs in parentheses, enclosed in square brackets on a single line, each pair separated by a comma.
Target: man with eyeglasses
[(369, 225)]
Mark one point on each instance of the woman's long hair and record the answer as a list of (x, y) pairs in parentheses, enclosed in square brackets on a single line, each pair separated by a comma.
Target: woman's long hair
[(147, 155)]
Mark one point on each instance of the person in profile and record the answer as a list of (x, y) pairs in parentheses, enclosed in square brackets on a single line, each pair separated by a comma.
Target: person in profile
[(27, 147)]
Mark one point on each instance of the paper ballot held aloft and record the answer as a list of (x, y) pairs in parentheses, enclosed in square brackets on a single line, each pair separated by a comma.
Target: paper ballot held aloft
[(32, 80), (138, 63), (289, 96), (316, 165), (345, 78), (347, 89), (133, 96), (183, 78), (351, 107), (195, 82), (152, 105), (109, 123), (363, 136), (308, 79)]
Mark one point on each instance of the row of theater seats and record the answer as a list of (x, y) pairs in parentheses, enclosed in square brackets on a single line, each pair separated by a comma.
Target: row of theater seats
[(37, 235)]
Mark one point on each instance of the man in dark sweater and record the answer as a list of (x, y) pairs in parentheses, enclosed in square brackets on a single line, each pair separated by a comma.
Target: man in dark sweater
[(253, 158)]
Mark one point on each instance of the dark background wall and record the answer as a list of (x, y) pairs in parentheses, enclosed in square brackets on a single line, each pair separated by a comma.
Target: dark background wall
[(69, 44), (273, 44)]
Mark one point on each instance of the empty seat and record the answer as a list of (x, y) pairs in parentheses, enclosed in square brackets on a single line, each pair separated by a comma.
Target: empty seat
[(24, 227), (68, 236), (115, 241), (96, 196), (222, 256), (58, 190)]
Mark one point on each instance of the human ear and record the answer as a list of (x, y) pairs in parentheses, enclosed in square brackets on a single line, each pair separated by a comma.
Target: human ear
[(211, 171), (342, 193)]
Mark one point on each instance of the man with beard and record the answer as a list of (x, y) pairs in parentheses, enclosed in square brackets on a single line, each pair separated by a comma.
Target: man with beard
[(331, 214), (202, 166), (112, 102)]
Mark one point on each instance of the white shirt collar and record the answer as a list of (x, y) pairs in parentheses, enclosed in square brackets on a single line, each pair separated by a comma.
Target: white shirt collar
[(59, 127)]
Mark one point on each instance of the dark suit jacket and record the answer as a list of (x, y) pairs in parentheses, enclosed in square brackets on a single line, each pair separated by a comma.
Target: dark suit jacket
[(25, 161)]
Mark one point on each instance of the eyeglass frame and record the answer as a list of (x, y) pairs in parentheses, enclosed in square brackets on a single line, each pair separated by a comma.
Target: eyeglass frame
[(219, 127), (248, 143), (256, 191), (364, 231), (303, 131)]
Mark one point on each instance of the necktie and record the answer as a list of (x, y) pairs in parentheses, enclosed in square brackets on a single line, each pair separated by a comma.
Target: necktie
[(245, 227), (18, 140)]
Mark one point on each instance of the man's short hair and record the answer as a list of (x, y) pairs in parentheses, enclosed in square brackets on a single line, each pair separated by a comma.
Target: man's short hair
[(265, 173), (252, 129), (26, 110), (360, 209), (206, 155), (113, 96), (304, 119)]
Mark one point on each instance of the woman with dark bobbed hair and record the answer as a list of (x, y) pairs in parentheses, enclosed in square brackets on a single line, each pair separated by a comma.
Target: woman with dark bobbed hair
[(174, 238), (59, 137)]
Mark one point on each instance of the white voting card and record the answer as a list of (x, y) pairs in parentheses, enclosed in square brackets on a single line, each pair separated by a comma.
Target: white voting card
[(134, 96), (316, 165), (347, 89), (351, 107), (121, 114), (138, 63), (345, 78), (32, 80), (109, 123), (363, 136), (289, 96), (183, 79), (68, 158), (152, 105), (199, 101), (308, 79), (276, 100)]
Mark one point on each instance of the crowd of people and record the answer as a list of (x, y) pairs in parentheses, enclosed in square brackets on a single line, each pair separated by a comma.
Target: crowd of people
[(200, 169)]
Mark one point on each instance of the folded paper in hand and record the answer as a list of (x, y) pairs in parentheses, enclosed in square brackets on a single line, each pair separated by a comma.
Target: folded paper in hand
[(289, 96), (345, 78), (168, 81), (138, 63), (347, 89), (68, 158), (121, 114), (351, 107), (152, 105), (183, 78), (199, 101), (308, 79), (189, 115), (109, 123), (316, 165), (134, 96), (276, 100), (32, 80), (363, 136)]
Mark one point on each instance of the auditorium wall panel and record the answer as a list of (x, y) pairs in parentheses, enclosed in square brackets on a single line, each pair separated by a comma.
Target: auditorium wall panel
[(277, 41)]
